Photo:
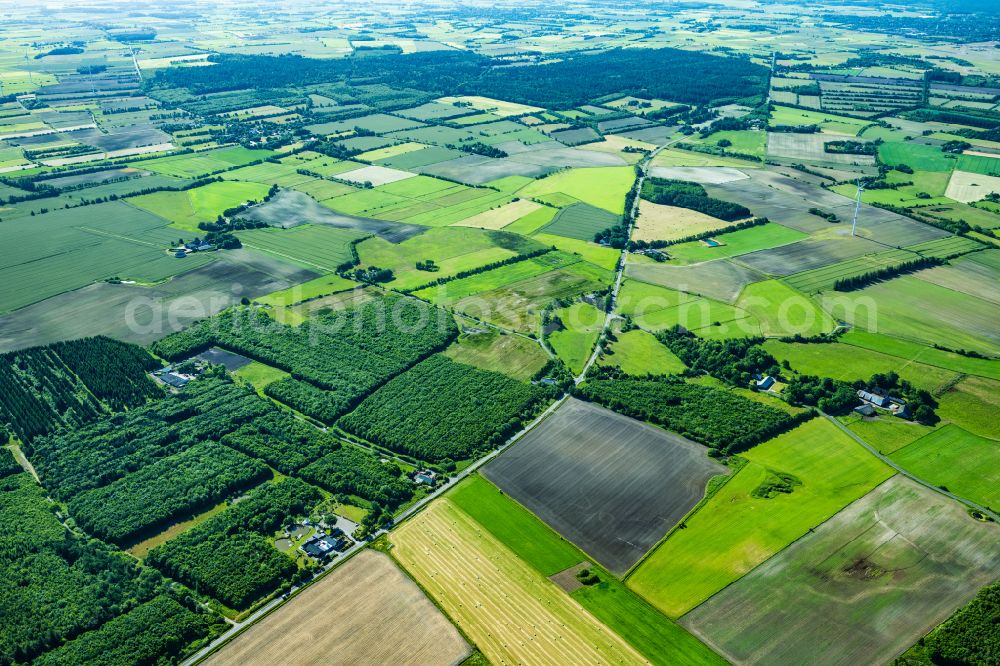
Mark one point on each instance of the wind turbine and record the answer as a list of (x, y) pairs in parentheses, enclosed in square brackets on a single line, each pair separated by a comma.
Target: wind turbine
[(857, 205), (27, 65)]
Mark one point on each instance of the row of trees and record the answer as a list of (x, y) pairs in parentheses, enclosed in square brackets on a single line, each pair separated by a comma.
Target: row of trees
[(352, 471), (479, 269), (281, 440), (148, 634), (733, 361), (315, 402), (864, 279), (690, 77), (58, 586), (98, 454), (69, 384), (39, 394)]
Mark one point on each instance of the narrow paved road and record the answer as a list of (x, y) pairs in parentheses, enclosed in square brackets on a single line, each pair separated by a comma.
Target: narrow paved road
[(238, 627), (620, 272), (941, 491)]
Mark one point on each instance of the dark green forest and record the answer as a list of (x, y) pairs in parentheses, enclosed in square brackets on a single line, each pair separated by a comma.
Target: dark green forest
[(472, 411), (684, 76), (231, 556)]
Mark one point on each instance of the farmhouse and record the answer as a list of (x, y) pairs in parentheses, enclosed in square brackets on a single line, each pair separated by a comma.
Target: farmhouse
[(322, 547), (765, 383), (425, 476), (865, 410), (173, 379), (874, 399)]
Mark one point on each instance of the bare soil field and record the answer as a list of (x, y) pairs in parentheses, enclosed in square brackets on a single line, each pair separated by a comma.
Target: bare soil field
[(608, 483), (512, 613), (659, 222), (861, 588), (365, 612)]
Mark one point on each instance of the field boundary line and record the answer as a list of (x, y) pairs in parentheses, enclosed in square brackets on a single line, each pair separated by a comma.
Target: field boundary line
[(765, 561), (913, 477), (695, 509), (290, 257), (128, 239)]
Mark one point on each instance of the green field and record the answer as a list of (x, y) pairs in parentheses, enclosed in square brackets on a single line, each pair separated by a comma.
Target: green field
[(915, 155), (513, 355), (657, 638), (964, 463), (885, 433), (518, 305), (849, 363), (321, 286), (453, 249), (193, 165), (321, 248), (533, 221), (700, 315), (914, 351), (734, 243), (828, 122), (68, 249), (744, 142), (260, 375), (989, 166), (734, 531), (914, 309), (187, 208), (639, 353), (497, 278), (636, 298), (580, 221), (603, 187), (860, 588), (781, 310), (599, 255), (972, 403), (574, 343)]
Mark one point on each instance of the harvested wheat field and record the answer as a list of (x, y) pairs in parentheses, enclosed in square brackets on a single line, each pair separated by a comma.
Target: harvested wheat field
[(512, 613), (497, 218), (658, 222), (365, 612)]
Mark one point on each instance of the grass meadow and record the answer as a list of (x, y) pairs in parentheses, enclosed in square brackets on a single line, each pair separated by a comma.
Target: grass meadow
[(734, 531), (966, 464)]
